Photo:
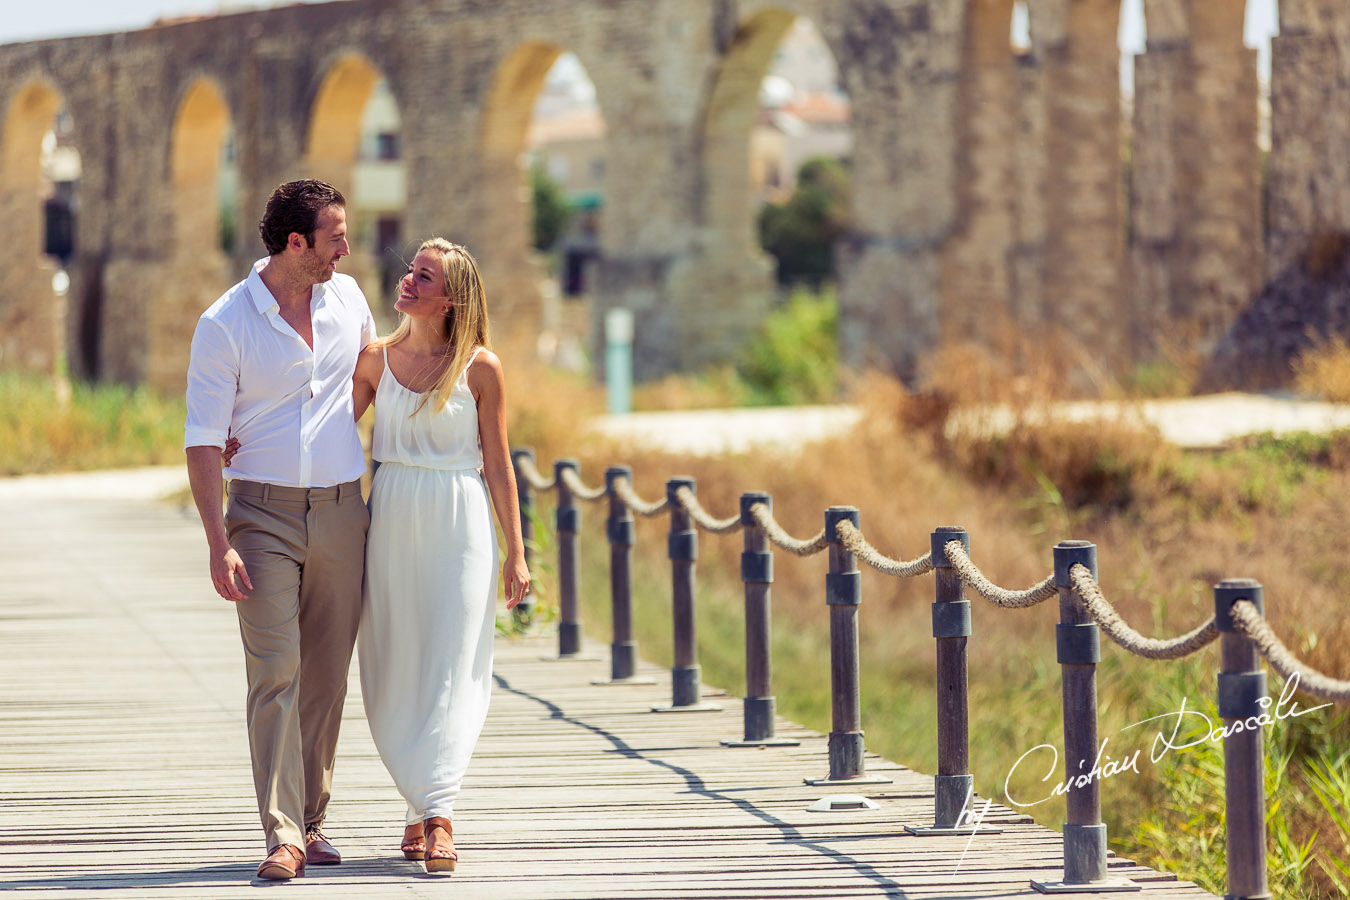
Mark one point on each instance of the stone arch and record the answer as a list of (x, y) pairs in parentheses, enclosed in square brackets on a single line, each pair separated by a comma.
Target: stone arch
[(198, 138), (196, 269), (728, 116), (31, 313), (503, 230), (333, 147), (333, 137), (729, 284)]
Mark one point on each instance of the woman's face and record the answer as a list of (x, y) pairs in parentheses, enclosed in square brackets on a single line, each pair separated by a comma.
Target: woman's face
[(421, 292)]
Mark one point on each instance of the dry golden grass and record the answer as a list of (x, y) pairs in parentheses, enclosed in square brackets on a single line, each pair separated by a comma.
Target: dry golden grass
[(1168, 525), (1323, 370)]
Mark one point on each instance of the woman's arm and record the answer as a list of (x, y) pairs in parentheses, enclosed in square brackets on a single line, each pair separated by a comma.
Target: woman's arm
[(369, 368), (489, 389)]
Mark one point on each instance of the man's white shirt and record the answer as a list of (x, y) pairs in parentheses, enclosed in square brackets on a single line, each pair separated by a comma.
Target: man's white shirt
[(253, 377)]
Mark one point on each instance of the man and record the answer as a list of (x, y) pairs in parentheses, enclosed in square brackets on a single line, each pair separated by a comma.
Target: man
[(272, 363)]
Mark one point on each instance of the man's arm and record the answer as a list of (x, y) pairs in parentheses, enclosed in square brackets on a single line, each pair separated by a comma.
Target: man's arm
[(203, 465), (212, 383)]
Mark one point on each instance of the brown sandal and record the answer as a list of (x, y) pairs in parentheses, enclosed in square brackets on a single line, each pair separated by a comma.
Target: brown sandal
[(438, 857), (414, 845)]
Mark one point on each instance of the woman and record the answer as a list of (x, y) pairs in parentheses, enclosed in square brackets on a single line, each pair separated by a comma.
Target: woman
[(425, 639)]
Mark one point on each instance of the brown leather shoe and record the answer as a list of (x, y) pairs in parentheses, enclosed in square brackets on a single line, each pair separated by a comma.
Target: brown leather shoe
[(318, 852), (283, 862)]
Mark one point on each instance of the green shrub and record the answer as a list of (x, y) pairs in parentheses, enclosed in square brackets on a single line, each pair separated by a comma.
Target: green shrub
[(794, 358)]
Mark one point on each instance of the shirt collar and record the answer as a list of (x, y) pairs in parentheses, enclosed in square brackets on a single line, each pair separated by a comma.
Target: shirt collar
[(262, 298)]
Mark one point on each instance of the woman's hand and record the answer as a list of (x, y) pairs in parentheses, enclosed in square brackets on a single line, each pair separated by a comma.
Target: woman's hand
[(515, 578), (231, 448)]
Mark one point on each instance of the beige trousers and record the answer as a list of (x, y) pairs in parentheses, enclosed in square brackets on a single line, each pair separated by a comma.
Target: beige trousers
[(304, 550)]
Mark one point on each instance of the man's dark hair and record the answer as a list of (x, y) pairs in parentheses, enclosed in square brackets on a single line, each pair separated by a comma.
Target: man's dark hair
[(294, 208)]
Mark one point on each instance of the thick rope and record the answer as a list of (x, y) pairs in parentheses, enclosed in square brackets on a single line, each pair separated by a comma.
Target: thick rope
[(525, 465), (636, 503), (853, 539), (700, 515), (1254, 625), (971, 575), (1105, 615), (579, 490), (780, 538)]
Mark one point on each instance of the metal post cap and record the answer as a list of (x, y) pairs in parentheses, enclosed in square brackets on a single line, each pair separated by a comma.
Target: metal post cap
[(942, 536), (836, 514), (674, 484), (613, 473), (749, 499), (1071, 553), (1230, 591)]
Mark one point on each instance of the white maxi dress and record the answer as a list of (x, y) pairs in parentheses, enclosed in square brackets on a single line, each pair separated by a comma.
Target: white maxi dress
[(425, 642)]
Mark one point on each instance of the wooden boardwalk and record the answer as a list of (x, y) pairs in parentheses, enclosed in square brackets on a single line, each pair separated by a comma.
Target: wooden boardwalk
[(124, 769)]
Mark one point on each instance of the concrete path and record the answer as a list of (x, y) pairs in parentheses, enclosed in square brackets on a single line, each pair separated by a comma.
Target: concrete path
[(1192, 422)]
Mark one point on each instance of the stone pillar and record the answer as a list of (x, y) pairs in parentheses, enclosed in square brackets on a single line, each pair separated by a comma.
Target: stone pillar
[(1221, 171), (1160, 78), (901, 65), (1085, 235), (655, 262), (976, 278), (724, 284), (1027, 254), (1309, 187)]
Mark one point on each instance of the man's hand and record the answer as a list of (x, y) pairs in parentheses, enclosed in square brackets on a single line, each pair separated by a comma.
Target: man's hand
[(224, 567), (231, 448)]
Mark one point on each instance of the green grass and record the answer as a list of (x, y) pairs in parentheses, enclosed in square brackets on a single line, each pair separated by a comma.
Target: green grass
[(49, 428)]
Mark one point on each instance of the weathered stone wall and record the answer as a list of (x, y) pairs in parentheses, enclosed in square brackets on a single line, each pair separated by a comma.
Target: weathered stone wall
[(989, 186)]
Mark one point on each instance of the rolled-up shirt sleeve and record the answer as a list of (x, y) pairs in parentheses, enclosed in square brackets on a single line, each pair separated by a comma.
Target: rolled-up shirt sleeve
[(213, 380), (368, 329)]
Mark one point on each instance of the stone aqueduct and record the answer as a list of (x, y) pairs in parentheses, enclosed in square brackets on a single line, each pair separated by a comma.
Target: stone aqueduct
[(989, 185)]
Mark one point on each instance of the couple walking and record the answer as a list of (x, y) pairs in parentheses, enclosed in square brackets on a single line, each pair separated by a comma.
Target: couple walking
[(282, 367)]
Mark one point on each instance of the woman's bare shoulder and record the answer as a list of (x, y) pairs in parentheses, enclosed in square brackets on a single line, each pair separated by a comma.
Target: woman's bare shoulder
[(485, 370), (370, 362)]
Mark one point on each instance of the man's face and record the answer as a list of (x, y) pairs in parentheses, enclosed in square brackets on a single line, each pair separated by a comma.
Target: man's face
[(330, 244)]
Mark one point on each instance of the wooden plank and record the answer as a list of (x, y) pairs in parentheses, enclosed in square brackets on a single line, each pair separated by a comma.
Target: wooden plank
[(124, 765)]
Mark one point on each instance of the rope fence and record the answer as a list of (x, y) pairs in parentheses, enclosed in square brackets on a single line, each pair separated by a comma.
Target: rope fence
[(1239, 623)]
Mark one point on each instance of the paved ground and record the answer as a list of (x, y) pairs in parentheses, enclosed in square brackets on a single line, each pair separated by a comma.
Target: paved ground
[(1193, 422)]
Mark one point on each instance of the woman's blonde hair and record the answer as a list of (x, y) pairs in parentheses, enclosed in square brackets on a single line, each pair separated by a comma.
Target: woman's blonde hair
[(466, 320)]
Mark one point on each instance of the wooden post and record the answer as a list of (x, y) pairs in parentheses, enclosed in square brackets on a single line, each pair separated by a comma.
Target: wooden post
[(620, 530), (1078, 644), (524, 611), (1242, 683), (757, 575), (953, 786), (843, 594), (566, 524), (682, 548)]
